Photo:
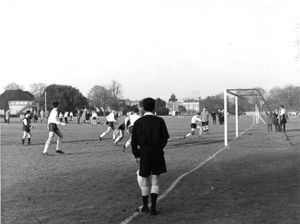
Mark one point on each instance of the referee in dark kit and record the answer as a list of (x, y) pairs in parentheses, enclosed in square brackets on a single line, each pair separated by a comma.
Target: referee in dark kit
[(149, 137)]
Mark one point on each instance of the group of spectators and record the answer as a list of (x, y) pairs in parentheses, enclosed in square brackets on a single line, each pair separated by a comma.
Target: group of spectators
[(278, 119), (83, 116), (219, 114)]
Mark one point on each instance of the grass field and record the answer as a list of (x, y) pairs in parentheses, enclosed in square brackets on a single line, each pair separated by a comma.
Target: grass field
[(255, 180)]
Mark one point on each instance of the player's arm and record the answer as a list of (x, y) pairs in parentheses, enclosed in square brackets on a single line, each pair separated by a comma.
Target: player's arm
[(57, 121), (198, 119), (134, 142), (164, 135)]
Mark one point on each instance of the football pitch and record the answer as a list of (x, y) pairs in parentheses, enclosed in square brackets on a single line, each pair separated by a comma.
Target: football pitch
[(255, 180)]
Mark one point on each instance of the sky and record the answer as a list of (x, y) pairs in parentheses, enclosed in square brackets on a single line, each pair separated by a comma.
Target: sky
[(152, 48)]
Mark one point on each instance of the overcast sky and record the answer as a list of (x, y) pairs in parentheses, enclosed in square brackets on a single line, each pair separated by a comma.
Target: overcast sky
[(153, 48)]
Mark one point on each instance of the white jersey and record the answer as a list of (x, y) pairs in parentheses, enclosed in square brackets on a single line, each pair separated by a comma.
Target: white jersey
[(111, 117), (195, 118), (282, 111), (133, 118), (94, 115), (53, 116)]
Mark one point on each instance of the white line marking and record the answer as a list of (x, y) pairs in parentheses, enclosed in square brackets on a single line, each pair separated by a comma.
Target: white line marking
[(173, 185)]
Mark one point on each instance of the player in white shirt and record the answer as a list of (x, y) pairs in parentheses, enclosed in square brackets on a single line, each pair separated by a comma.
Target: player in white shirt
[(194, 125), (53, 129), (132, 118), (110, 122), (94, 118)]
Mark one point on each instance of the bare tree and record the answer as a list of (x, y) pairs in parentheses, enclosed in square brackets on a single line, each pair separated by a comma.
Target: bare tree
[(115, 89), (99, 97), (37, 89), (13, 86)]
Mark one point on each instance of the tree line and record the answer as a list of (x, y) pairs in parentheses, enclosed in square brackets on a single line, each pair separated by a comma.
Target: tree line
[(288, 96), (101, 98), (109, 97)]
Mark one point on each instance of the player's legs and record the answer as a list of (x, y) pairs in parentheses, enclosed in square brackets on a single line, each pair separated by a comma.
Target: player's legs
[(190, 133), (24, 136), (128, 142), (106, 132), (206, 127), (145, 190), (154, 193), (200, 129), (28, 137), (48, 142), (114, 133), (120, 137), (59, 139)]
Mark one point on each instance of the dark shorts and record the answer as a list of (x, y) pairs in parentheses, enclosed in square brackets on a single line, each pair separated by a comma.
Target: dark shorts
[(204, 123), (27, 129), (110, 124), (53, 127), (193, 125), (152, 161), (121, 127)]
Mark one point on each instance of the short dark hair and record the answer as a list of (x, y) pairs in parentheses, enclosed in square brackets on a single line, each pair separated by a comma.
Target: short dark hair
[(149, 104), (136, 110), (55, 104)]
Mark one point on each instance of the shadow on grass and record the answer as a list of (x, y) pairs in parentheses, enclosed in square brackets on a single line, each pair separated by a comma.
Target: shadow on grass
[(251, 189), (67, 141), (192, 142), (293, 130)]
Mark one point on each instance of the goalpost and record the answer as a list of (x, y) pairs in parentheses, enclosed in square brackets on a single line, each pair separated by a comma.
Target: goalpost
[(241, 93)]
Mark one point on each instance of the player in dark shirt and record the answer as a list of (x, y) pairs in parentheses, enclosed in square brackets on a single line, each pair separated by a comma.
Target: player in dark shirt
[(149, 137), (26, 127)]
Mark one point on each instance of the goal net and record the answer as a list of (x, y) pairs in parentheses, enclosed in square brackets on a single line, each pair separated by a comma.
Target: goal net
[(253, 97)]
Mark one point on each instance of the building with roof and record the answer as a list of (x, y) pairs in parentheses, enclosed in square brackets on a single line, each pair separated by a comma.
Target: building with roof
[(190, 107), (17, 101)]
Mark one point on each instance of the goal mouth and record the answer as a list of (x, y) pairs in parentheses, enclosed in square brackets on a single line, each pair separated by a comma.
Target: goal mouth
[(243, 94)]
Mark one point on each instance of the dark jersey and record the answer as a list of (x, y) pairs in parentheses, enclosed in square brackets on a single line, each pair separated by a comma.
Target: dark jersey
[(151, 135), (26, 124)]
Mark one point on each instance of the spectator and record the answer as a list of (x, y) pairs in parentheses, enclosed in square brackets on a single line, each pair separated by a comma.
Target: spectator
[(7, 116), (276, 121), (214, 117), (66, 116), (269, 121), (42, 116), (61, 116), (71, 116), (282, 118)]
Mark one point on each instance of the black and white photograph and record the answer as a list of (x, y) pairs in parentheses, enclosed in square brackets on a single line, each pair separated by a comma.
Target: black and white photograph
[(150, 111)]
